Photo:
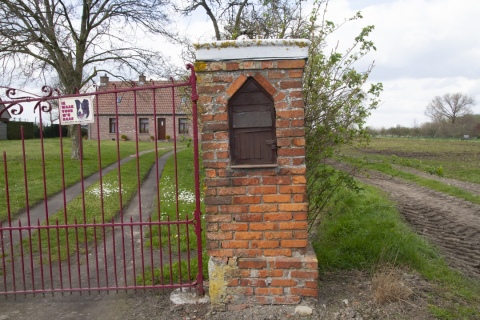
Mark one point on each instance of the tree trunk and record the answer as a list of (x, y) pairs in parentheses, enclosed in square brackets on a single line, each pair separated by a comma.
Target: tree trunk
[(76, 137)]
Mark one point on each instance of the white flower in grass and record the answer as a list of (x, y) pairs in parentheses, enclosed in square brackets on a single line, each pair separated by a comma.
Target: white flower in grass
[(108, 190)]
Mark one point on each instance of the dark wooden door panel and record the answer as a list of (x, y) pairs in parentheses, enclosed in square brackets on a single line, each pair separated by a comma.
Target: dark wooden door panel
[(161, 127)]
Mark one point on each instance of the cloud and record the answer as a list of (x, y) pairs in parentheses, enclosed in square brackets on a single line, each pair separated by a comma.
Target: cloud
[(424, 48)]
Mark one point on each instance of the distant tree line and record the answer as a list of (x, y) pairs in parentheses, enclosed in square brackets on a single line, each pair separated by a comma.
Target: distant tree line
[(466, 125), (32, 130)]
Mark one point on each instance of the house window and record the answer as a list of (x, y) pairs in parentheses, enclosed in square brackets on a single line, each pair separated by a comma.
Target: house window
[(252, 126), (112, 125), (143, 125), (183, 126)]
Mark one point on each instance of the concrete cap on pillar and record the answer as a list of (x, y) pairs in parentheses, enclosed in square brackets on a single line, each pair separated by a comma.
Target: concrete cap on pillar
[(263, 49)]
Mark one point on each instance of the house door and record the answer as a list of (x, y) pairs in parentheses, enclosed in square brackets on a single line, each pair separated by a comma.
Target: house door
[(161, 128)]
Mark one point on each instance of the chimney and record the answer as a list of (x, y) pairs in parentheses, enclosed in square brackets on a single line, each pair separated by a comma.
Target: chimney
[(142, 79), (103, 80)]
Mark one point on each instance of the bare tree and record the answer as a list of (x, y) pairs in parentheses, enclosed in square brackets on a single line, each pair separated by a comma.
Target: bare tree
[(273, 19), (449, 107), (75, 40)]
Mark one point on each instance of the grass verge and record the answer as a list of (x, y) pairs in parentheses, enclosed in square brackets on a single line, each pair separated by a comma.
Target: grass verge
[(175, 240), (89, 208), (52, 150), (361, 231)]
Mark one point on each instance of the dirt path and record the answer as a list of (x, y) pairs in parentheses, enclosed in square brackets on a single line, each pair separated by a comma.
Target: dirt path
[(452, 224)]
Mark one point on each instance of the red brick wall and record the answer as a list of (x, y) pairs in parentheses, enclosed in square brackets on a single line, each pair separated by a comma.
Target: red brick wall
[(126, 126), (257, 217)]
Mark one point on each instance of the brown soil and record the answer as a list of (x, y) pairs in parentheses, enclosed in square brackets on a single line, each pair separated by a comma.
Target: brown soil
[(450, 223)]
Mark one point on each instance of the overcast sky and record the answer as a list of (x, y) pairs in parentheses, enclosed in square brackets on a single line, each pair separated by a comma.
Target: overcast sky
[(425, 48)]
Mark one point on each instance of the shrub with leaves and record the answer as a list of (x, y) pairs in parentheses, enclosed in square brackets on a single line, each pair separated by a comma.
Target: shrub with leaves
[(337, 104)]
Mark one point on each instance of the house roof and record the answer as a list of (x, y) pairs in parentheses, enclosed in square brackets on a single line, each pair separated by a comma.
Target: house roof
[(144, 98), (5, 114)]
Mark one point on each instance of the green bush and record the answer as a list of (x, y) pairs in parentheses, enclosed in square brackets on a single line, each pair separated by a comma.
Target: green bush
[(14, 130)]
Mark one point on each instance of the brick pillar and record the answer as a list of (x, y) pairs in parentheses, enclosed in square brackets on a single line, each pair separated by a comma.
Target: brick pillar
[(256, 215)]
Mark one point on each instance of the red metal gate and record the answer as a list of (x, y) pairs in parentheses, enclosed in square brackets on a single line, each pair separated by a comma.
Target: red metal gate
[(102, 222)]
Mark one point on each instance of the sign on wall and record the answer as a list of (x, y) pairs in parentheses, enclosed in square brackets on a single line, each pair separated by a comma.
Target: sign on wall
[(76, 110)]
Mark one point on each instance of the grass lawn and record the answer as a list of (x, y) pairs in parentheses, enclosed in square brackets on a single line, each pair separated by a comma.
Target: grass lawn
[(91, 208), (362, 231), (34, 172), (455, 159), (175, 239)]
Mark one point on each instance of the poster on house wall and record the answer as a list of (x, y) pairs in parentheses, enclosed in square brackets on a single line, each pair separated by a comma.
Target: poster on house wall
[(76, 110)]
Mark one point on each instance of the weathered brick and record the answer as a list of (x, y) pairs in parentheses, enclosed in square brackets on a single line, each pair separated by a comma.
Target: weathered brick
[(221, 253), (288, 225), (247, 253), (288, 263), (277, 74), (285, 252), (248, 235), (302, 274), (304, 292), (248, 217), (263, 208), (253, 282), (277, 180), (286, 299), (217, 200), (295, 73), (296, 243), (245, 263), (290, 132), (219, 235), (293, 207), (280, 216), (231, 66), (300, 216), (269, 272), (278, 235), (230, 190), (288, 84), (214, 146), (277, 198), (262, 226), (263, 244), (298, 161), (233, 226), (220, 136), (311, 284), (246, 181), (297, 123), (219, 218), (212, 127), (251, 65), (212, 227), (235, 244), (247, 199), (237, 84), (291, 64), (262, 299), (266, 85), (291, 114), (293, 189), (268, 64), (268, 291), (279, 96), (291, 152), (283, 283), (297, 104), (262, 190)]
